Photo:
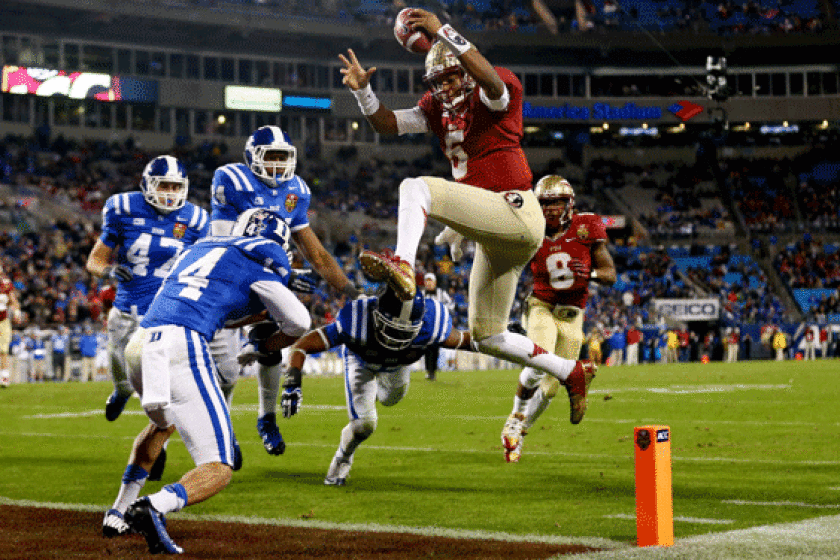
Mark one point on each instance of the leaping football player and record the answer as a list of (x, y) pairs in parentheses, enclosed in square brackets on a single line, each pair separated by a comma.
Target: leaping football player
[(475, 110)]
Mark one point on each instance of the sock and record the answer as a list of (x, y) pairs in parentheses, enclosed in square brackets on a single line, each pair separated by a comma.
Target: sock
[(519, 405), (269, 378), (536, 407), (171, 497), (415, 205), (133, 481), (522, 350)]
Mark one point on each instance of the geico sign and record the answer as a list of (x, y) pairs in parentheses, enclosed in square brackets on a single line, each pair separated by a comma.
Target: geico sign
[(688, 308)]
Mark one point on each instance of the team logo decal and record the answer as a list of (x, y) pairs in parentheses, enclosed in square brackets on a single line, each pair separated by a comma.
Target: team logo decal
[(291, 202), (643, 439), (178, 231), (583, 232), (514, 199)]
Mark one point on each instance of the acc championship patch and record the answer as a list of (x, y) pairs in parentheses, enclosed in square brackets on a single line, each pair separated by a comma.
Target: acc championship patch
[(291, 202), (583, 232), (514, 199), (178, 231)]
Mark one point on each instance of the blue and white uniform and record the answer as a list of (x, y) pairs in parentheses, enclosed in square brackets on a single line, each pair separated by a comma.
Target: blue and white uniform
[(149, 242), (373, 372), (218, 279), (237, 189)]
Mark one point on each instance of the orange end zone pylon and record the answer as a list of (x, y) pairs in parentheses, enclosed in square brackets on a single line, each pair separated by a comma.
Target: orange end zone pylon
[(654, 500)]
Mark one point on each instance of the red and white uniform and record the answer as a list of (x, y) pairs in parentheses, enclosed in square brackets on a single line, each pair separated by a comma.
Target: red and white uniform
[(554, 281), (483, 145), (6, 289)]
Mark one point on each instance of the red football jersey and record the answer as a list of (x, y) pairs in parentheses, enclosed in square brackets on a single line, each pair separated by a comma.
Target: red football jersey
[(6, 288), (483, 145), (554, 281)]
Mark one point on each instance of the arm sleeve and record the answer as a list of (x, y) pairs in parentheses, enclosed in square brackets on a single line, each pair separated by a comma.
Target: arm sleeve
[(110, 235), (411, 121), (283, 306)]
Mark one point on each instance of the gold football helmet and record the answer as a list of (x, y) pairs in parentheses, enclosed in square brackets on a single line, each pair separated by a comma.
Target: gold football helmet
[(441, 65), (551, 191)]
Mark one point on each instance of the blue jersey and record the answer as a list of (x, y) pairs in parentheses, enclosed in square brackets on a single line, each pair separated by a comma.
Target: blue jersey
[(236, 189), (354, 327), (210, 283), (149, 243)]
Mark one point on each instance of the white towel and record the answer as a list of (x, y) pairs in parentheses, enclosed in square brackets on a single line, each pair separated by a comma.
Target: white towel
[(156, 390)]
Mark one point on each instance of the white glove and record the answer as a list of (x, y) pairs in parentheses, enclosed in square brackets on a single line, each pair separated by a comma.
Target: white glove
[(454, 239)]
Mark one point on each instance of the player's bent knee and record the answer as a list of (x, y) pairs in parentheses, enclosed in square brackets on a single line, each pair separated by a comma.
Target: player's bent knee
[(530, 378), (363, 428), (158, 418), (416, 189), (549, 386), (393, 396)]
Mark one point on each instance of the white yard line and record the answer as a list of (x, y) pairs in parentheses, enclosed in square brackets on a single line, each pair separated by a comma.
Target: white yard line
[(698, 520)]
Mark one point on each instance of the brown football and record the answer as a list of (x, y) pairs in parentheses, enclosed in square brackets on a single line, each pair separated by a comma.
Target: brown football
[(417, 41)]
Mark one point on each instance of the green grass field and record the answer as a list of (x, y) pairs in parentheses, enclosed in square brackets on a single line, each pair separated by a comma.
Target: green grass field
[(753, 443)]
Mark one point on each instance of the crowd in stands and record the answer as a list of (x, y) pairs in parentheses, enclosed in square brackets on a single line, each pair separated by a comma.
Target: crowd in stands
[(807, 264), (524, 16), (48, 268)]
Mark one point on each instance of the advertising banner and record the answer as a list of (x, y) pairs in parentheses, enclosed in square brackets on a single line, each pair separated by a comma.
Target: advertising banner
[(707, 309)]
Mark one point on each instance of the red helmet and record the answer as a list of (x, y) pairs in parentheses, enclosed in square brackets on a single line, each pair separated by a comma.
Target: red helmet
[(551, 191)]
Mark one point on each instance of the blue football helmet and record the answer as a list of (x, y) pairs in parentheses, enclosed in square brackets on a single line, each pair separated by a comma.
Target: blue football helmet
[(397, 322), (165, 184), (263, 223), (270, 141)]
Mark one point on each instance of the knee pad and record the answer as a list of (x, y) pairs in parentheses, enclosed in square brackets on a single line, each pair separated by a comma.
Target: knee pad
[(392, 395), (530, 378), (363, 428), (549, 386), (228, 370), (417, 191)]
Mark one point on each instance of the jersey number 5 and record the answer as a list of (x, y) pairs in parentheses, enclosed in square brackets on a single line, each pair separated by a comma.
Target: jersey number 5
[(456, 154)]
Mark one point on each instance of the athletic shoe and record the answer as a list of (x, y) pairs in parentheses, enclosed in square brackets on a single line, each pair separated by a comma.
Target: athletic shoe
[(143, 518), (270, 434), (339, 471), (157, 469), (237, 455), (114, 524), (115, 405), (577, 385), (512, 438), (392, 269)]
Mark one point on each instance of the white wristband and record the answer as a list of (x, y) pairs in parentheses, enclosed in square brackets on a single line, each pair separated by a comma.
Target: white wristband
[(453, 40), (368, 102), (593, 275)]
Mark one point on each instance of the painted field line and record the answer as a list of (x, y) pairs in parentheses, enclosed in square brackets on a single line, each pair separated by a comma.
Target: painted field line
[(781, 504), (812, 539), (698, 520), (365, 527), (586, 456)]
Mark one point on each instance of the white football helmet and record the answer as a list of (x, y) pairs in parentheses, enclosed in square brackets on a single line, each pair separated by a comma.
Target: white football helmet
[(171, 172), (265, 141), (552, 190), (441, 64)]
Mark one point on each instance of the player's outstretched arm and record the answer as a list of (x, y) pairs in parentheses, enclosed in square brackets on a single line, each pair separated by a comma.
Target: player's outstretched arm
[(381, 118), (323, 262), (458, 340)]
